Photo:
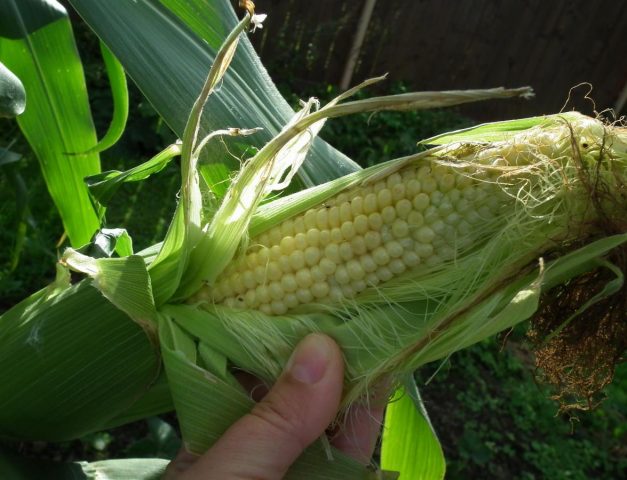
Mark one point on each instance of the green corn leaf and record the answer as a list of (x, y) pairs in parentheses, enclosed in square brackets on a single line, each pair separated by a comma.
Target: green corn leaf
[(200, 16), (12, 94), (207, 327), (119, 93), (37, 44), (191, 203), (166, 268), (409, 444), (103, 186), (213, 361), (198, 393), (36, 15), (169, 46)]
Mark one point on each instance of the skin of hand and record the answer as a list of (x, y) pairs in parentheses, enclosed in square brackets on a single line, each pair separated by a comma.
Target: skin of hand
[(296, 411)]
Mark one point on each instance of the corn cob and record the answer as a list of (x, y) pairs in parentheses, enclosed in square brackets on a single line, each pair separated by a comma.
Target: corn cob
[(418, 217), (359, 239)]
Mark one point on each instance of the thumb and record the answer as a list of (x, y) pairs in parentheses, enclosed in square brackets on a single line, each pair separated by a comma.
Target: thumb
[(296, 411)]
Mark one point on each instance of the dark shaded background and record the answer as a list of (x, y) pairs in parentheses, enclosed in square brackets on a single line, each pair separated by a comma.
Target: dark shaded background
[(448, 44)]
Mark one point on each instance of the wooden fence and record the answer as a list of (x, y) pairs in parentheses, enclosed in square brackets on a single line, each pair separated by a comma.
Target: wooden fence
[(455, 44)]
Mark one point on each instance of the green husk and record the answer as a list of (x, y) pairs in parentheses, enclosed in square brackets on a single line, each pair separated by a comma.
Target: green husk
[(77, 362)]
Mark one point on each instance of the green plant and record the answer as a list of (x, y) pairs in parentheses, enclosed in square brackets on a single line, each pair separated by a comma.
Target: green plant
[(216, 211), (503, 424)]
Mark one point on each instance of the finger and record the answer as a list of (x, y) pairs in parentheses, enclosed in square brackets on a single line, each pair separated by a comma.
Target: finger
[(360, 430), (296, 411), (358, 434)]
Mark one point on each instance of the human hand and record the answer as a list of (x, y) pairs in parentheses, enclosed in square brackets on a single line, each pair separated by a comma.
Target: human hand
[(294, 413)]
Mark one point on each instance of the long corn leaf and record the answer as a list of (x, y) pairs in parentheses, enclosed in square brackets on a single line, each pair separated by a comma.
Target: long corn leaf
[(37, 44), (119, 93), (183, 38), (104, 185)]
